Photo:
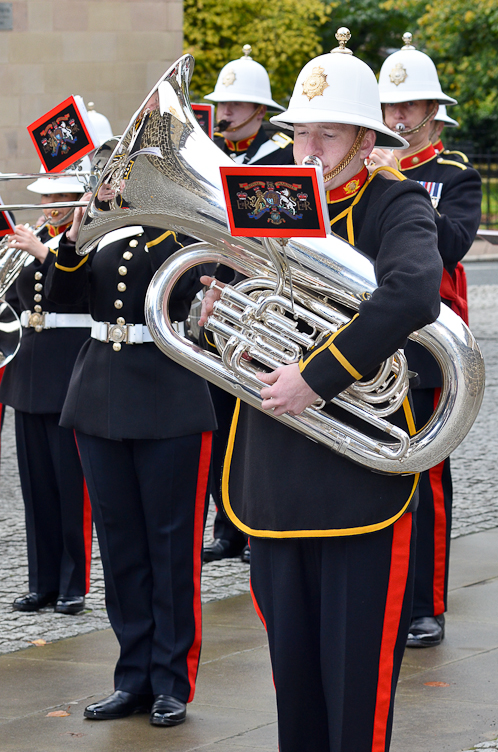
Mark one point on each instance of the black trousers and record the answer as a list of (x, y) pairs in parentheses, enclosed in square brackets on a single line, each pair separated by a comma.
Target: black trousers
[(224, 405), (57, 507), (337, 613), (434, 514), (149, 499)]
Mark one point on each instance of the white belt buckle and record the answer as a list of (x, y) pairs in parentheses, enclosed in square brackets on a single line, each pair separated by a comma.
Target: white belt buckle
[(37, 321), (117, 333)]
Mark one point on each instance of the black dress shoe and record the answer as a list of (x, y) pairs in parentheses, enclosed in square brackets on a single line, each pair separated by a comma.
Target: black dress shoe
[(118, 705), (34, 601), (426, 632), (70, 604), (245, 556), (220, 549), (167, 711)]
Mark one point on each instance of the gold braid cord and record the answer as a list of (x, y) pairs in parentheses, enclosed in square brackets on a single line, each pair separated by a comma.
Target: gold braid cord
[(349, 156)]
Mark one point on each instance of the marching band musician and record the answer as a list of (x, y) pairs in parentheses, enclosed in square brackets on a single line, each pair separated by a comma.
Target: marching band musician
[(145, 447), (331, 542), (58, 517), (410, 93), (243, 96)]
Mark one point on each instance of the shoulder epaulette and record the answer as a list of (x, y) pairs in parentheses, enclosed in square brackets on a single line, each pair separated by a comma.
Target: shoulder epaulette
[(440, 160), (459, 153), (282, 139)]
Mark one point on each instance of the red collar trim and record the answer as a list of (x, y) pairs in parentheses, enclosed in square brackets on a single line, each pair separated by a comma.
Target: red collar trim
[(54, 231), (348, 189), (240, 145), (420, 157), (439, 147)]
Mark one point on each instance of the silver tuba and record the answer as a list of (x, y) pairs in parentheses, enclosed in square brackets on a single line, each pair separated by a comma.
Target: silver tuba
[(165, 172)]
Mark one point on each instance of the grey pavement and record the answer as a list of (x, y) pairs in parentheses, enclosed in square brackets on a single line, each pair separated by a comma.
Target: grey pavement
[(475, 474), (447, 699)]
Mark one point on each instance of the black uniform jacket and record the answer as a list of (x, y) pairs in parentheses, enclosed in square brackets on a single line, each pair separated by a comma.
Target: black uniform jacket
[(278, 483), (136, 392), (263, 150), (36, 380), (455, 190)]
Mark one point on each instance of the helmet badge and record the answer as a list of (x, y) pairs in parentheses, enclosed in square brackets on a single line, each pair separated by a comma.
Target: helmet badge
[(316, 83), (229, 78), (398, 74)]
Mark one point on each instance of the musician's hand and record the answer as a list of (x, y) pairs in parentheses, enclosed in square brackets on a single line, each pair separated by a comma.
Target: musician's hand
[(24, 240), (209, 299), (287, 392), (106, 192), (72, 233), (382, 158)]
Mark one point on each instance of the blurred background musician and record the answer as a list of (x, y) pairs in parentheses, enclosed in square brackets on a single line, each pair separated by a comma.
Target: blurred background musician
[(243, 96), (410, 93), (58, 517)]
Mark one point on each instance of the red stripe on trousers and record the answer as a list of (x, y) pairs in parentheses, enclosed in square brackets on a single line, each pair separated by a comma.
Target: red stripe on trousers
[(200, 501), (87, 525), (256, 606), (87, 534), (440, 524), (400, 558)]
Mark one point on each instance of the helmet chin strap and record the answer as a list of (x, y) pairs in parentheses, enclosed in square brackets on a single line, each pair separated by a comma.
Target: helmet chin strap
[(400, 128), (223, 125), (349, 156)]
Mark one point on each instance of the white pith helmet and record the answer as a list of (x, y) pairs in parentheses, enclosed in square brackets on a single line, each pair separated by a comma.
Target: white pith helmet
[(409, 75), (443, 117), (100, 123), (70, 184), (338, 88), (244, 80)]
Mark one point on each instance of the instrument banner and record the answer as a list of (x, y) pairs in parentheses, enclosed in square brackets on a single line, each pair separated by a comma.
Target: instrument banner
[(6, 224), (205, 117), (63, 135), (275, 201)]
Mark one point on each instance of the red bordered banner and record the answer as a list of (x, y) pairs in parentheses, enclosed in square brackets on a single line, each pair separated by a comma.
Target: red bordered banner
[(62, 135), (7, 226), (275, 201), (205, 117)]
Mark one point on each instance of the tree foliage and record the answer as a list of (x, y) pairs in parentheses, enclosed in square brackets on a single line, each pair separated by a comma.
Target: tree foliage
[(283, 37), (375, 31)]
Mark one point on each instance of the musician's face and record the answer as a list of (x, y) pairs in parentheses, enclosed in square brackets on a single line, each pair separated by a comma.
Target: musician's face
[(234, 112), (331, 142), (409, 114), (56, 216)]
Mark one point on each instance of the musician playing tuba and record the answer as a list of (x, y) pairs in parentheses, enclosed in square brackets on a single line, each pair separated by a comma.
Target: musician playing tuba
[(332, 542), (58, 518)]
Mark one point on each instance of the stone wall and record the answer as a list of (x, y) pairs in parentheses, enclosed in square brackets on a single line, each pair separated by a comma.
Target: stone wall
[(110, 52)]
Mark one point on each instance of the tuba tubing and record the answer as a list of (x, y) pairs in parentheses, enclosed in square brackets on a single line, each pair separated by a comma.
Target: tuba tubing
[(448, 339), (166, 173)]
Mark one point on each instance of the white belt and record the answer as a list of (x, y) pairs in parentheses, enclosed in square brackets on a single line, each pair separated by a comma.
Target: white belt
[(55, 320), (128, 334)]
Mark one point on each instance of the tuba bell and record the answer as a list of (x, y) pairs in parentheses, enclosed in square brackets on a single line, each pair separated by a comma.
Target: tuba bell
[(165, 173)]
